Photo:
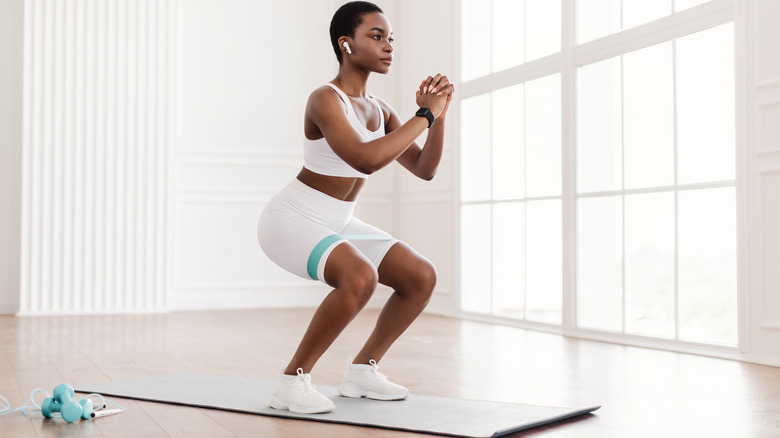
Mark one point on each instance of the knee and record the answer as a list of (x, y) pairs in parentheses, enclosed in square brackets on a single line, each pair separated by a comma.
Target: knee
[(428, 277), (424, 279), (360, 283)]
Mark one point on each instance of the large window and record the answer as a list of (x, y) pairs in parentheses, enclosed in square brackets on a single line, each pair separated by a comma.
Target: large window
[(511, 192), (499, 34), (624, 154)]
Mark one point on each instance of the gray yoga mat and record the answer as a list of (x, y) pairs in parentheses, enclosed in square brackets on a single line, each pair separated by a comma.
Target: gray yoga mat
[(418, 413)]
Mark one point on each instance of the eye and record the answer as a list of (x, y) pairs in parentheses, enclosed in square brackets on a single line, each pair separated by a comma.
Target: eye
[(377, 37), (391, 40)]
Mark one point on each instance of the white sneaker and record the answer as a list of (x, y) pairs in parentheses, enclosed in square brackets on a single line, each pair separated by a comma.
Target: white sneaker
[(299, 396), (365, 381)]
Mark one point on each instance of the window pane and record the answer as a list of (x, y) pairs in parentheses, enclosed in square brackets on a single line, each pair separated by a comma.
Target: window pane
[(650, 251), (475, 39), (542, 28), (508, 139), (543, 261), (475, 258), (679, 5), (708, 266), (636, 12), (705, 106), (509, 259), (543, 136), (475, 148), (508, 35), (600, 263), (599, 147), (648, 117), (597, 18)]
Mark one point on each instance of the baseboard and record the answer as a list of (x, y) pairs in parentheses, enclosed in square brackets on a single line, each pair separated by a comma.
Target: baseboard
[(270, 298), (8, 309)]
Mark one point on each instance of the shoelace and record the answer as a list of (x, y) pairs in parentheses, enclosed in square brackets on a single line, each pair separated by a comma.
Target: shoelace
[(375, 370), (305, 380)]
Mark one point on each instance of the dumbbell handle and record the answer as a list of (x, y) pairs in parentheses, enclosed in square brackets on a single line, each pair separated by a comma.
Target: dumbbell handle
[(49, 407), (63, 393)]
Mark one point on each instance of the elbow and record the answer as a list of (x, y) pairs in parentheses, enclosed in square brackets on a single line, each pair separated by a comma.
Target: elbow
[(369, 165), (365, 167), (428, 172), (427, 176)]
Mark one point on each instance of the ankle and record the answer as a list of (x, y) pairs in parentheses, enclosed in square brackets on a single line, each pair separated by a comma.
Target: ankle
[(293, 371), (364, 359)]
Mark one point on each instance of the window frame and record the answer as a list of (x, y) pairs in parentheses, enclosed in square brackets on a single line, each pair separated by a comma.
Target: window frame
[(567, 63)]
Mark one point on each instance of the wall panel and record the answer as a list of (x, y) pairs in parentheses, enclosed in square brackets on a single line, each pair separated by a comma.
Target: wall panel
[(98, 74), (12, 36), (770, 199)]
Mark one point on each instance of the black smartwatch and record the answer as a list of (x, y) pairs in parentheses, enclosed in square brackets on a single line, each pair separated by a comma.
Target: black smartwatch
[(425, 112)]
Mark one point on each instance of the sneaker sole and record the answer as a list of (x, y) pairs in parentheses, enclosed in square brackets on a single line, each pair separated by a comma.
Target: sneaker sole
[(277, 403), (353, 391)]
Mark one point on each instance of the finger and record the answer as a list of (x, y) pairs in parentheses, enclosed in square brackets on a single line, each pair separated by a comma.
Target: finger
[(427, 82), (435, 83), (443, 82), (446, 90)]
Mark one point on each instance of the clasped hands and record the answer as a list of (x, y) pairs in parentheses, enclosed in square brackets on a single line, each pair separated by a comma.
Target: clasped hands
[(435, 94)]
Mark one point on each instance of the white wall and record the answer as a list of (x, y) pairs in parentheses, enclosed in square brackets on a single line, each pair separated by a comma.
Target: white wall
[(246, 70), (11, 75), (760, 204)]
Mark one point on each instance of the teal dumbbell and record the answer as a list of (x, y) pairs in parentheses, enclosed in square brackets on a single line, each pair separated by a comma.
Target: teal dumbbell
[(63, 403)]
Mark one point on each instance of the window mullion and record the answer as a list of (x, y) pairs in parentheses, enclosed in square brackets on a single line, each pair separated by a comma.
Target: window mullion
[(568, 171)]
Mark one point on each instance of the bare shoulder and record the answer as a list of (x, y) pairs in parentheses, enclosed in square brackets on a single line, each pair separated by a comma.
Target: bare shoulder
[(324, 95), (324, 101)]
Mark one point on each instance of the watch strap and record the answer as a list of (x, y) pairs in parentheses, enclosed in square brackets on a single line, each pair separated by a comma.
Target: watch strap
[(425, 112)]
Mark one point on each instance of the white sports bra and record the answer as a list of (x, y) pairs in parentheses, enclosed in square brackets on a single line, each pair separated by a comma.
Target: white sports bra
[(319, 157)]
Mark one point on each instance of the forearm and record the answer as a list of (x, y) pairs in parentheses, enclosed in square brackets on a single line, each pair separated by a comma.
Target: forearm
[(428, 160), (380, 152)]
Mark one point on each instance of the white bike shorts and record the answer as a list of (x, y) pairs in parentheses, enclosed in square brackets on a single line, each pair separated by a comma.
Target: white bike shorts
[(300, 226)]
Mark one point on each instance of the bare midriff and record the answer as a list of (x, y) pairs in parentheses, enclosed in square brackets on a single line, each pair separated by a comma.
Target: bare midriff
[(345, 189)]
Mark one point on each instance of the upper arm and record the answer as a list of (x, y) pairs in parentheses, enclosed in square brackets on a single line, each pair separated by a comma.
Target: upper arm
[(328, 112)]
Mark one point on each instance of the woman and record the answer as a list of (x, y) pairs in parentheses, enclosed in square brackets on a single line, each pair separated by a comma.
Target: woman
[(309, 230)]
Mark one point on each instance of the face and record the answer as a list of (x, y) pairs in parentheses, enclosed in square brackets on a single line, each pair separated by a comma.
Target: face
[(372, 47)]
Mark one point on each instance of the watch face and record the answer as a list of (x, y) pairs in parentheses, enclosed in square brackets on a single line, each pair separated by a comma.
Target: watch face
[(425, 112)]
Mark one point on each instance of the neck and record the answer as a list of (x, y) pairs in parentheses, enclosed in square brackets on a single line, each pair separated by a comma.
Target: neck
[(352, 81)]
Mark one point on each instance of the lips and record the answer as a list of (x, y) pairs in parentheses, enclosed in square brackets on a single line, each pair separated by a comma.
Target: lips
[(387, 60)]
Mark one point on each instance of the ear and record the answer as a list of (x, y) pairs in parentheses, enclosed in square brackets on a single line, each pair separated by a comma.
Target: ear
[(347, 40)]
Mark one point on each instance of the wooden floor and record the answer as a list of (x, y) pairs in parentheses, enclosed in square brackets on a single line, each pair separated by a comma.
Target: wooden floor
[(643, 393)]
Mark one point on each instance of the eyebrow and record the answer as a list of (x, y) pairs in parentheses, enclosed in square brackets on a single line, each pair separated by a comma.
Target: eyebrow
[(378, 29)]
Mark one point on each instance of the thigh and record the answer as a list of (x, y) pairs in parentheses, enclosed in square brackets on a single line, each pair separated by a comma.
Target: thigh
[(289, 240), (404, 268), (368, 239), (347, 264)]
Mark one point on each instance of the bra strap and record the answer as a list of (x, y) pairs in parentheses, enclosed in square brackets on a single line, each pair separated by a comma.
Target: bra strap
[(343, 97)]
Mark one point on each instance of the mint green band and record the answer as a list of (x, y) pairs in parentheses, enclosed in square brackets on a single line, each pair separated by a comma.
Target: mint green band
[(324, 244)]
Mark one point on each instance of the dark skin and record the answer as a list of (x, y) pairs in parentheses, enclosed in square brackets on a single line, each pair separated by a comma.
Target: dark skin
[(353, 277)]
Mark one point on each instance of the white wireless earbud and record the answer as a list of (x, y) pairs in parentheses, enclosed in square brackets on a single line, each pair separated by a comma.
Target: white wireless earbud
[(346, 47)]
